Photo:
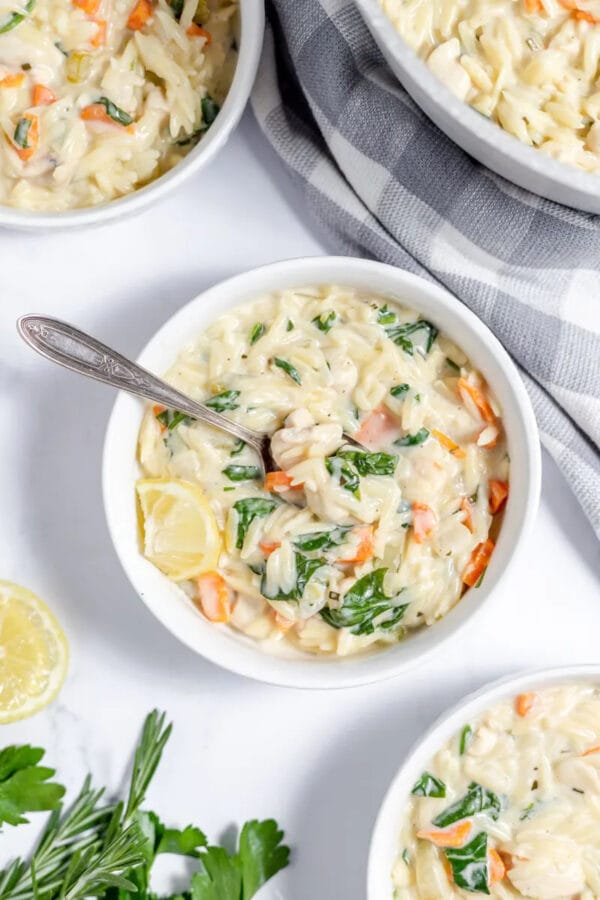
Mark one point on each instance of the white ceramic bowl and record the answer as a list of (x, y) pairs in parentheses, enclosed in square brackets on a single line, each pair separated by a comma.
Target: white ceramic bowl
[(252, 26), (480, 137), (385, 841), (229, 648)]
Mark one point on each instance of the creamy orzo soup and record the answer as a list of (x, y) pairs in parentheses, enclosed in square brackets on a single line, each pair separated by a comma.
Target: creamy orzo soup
[(99, 97), (529, 65), (510, 806), (342, 547)]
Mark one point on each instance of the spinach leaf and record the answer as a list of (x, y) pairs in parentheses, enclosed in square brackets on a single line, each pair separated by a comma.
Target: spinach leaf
[(242, 473), (411, 440), (399, 390), (322, 540), (370, 463), (325, 321), (222, 401), (249, 509), (477, 799), (429, 786), (115, 112), (171, 418), (469, 865), (257, 332), (177, 7), (385, 316), (289, 368), (289, 326), (15, 18), (21, 134), (452, 365), (404, 336), (306, 567), (237, 447), (210, 110), (363, 603), (465, 739), (346, 474)]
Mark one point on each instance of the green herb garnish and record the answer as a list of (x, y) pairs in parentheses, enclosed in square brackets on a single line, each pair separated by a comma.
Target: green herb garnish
[(171, 418), (477, 799), (325, 321), (237, 447), (15, 18), (289, 326), (399, 390), (24, 785), (452, 365), (322, 540), (469, 865), (306, 568), (385, 316), (21, 134), (465, 739)]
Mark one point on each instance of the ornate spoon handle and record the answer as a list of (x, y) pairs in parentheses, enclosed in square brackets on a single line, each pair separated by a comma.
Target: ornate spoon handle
[(75, 350)]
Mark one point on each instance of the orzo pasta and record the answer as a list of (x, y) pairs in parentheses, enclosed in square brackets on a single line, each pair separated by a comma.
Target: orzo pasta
[(510, 806), (530, 65), (341, 548), (99, 97)]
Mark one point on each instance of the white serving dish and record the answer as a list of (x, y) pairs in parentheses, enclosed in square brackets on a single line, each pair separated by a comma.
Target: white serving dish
[(252, 26), (480, 137), (231, 649), (386, 834)]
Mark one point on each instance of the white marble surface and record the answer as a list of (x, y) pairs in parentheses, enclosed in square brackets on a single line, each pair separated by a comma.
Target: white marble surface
[(319, 762)]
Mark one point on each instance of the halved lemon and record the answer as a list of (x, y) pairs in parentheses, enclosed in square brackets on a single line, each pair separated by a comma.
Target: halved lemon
[(179, 531), (34, 653)]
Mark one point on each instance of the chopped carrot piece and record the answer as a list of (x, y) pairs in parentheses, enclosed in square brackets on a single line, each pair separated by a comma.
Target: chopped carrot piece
[(31, 139), (583, 16), (424, 521), (467, 508), (478, 397), (506, 858), (139, 15), (533, 6), (378, 429), (498, 495), (496, 868), (268, 547), (448, 869), (282, 623), (42, 95), (214, 597), (278, 482), (364, 549), (448, 443), (591, 751), (197, 31), (157, 409), (480, 558), (525, 702), (99, 38), (454, 836), (90, 7), (16, 79)]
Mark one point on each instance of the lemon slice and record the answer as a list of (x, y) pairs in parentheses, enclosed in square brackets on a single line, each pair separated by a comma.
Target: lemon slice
[(179, 531), (34, 654)]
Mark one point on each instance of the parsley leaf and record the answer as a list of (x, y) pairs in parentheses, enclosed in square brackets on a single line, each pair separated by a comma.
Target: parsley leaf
[(25, 786), (469, 865), (249, 509), (289, 368), (477, 799), (222, 401), (365, 607), (429, 786)]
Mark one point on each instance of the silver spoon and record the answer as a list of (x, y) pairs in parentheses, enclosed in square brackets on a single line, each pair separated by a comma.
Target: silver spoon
[(66, 345)]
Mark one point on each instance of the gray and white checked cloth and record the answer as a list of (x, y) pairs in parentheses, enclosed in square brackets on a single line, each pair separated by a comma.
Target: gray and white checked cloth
[(384, 182)]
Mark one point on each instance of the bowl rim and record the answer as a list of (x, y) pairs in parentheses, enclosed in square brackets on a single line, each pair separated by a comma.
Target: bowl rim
[(252, 14), (244, 656), (385, 831), (495, 138)]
